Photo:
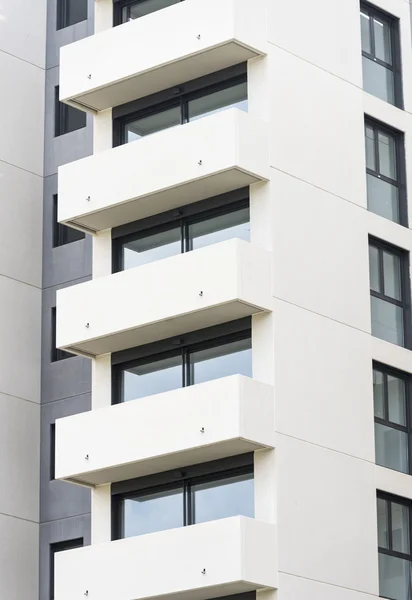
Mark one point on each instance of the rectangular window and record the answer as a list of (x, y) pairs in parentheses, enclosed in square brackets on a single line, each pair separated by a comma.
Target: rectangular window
[(61, 234), (385, 172), (390, 293), (171, 364), (70, 12), (202, 493), (198, 225), (394, 545), (66, 118), (179, 105), (381, 55), (56, 354), (391, 395), (128, 10), (61, 547)]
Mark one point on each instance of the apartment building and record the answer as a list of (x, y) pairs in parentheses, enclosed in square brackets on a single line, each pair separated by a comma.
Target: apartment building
[(209, 298)]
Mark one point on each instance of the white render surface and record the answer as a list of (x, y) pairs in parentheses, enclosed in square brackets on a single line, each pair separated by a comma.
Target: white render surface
[(183, 293), (128, 62), (162, 171), (170, 563), (236, 414)]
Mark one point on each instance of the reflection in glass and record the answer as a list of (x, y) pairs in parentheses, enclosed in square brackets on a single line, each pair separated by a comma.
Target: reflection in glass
[(387, 321), (145, 7), (391, 448), (394, 577), (232, 97), (396, 400), (365, 31), (383, 523), (218, 229), (234, 358), (378, 80), (383, 42), (147, 125), (378, 394), (392, 275), (383, 198), (151, 248), (152, 378), (387, 155), (153, 512), (224, 498), (370, 148), (374, 268), (400, 527)]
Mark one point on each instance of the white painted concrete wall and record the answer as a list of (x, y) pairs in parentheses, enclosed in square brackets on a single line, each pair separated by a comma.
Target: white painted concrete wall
[(22, 64)]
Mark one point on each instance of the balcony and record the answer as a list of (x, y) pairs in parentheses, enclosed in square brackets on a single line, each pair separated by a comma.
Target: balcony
[(173, 296), (204, 422), (168, 169), (209, 560), (161, 50)]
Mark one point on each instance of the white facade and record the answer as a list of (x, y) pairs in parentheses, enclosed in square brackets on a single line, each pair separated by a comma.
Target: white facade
[(22, 70), (304, 279)]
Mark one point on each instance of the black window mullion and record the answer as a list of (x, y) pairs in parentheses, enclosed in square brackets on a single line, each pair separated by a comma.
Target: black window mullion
[(184, 110), (186, 369), (186, 504), (390, 424), (381, 272), (386, 396)]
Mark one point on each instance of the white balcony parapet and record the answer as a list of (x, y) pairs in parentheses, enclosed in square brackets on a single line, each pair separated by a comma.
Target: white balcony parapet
[(168, 169), (204, 561), (161, 50), (200, 423), (187, 292)]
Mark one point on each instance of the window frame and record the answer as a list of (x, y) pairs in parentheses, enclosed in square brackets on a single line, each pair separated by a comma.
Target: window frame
[(177, 346), (396, 68), (55, 548), (405, 303), (182, 217), (242, 464), (400, 157), (407, 379), (119, 5), (63, 13), (60, 231), (56, 354), (177, 96)]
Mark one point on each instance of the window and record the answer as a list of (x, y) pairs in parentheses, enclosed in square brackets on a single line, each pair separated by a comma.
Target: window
[(385, 172), (56, 353), (61, 547), (128, 10), (197, 225), (52, 451), (61, 234), (391, 395), (70, 12), (390, 293), (179, 105), (179, 362), (196, 494), (394, 545), (67, 118), (381, 55)]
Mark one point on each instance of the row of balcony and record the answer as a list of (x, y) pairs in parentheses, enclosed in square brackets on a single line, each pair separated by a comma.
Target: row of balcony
[(170, 297)]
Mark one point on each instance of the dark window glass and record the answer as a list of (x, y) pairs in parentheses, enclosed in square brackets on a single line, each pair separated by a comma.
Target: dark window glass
[(394, 533), (67, 118), (61, 234), (392, 428), (179, 107), (389, 293), (70, 12), (186, 367), (197, 496), (385, 172), (380, 55), (56, 354), (187, 234), (60, 547), (134, 10)]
